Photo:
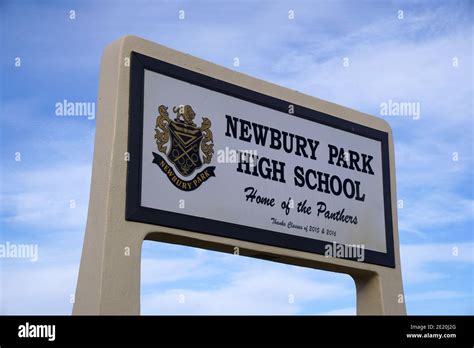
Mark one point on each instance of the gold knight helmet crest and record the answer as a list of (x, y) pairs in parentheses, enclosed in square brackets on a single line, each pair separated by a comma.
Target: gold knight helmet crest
[(186, 140)]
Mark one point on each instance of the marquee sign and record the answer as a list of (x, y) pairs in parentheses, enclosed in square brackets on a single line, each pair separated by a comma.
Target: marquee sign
[(216, 158)]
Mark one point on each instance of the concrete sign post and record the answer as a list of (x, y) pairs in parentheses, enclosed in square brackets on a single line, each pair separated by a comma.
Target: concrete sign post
[(191, 153)]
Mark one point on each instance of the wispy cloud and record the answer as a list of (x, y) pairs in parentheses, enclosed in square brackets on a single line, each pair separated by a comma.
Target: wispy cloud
[(437, 295), (36, 288), (53, 198), (421, 263), (342, 311), (256, 290)]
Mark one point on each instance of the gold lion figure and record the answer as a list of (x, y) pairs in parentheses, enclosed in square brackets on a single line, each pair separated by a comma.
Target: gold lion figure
[(185, 112)]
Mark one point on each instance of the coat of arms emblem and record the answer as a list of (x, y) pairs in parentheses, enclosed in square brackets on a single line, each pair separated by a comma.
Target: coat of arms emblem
[(186, 146)]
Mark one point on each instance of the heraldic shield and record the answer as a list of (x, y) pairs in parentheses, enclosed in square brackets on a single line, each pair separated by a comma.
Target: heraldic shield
[(185, 146)]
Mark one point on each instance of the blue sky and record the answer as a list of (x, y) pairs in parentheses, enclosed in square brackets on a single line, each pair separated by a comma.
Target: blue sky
[(403, 60)]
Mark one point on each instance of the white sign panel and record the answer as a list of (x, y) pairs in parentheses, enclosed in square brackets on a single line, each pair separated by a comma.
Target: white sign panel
[(216, 158)]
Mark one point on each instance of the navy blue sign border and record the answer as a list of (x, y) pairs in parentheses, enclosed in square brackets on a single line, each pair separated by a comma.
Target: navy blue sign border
[(136, 212)]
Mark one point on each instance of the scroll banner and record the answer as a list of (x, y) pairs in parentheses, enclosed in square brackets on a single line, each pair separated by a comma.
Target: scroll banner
[(184, 185)]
